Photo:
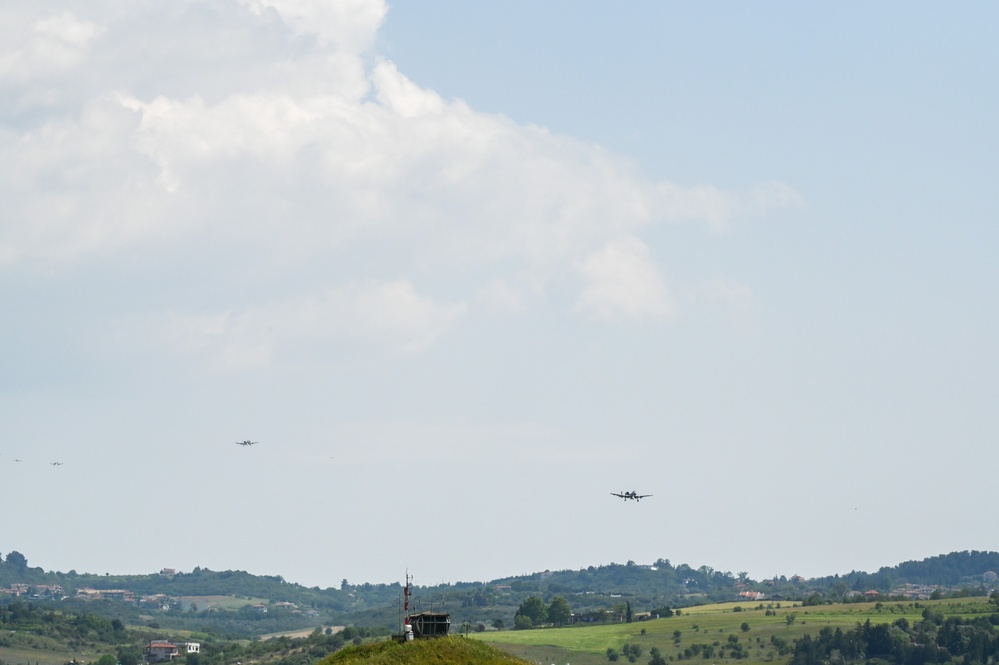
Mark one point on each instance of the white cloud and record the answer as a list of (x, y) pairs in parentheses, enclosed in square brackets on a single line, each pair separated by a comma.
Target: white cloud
[(54, 45), (74, 186), (391, 314), (68, 28), (392, 311), (622, 281), (303, 152), (717, 207), (402, 96), (500, 296), (350, 25)]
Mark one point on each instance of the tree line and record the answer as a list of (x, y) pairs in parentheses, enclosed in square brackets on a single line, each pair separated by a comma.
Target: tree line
[(124, 646), (969, 640)]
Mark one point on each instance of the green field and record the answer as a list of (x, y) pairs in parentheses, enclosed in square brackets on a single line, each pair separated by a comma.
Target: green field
[(712, 625), (28, 649), (219, 602)]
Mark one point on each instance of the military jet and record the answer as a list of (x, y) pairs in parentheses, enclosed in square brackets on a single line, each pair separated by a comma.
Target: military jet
[(630, 495), (245, 443)]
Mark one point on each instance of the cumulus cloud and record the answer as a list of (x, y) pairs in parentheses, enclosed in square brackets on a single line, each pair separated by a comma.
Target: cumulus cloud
[(295, 141), (390, 313), (349, 25), (53, 45), (622, 281)]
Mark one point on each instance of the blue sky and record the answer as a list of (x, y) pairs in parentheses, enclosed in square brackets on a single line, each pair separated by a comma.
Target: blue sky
[(464, 269)]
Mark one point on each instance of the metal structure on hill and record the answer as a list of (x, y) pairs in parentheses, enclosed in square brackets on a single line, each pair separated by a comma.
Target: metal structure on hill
[(422, 625)]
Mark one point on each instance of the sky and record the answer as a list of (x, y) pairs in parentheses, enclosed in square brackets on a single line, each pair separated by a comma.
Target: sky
[(464, 269)]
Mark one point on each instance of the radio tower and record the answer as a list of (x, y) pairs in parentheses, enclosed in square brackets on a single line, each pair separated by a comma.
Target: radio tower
[(407, 630), (405, 604)]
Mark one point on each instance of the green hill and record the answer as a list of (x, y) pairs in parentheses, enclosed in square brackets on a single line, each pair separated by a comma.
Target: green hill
[(734, 633), (453, 650), (230, 604)]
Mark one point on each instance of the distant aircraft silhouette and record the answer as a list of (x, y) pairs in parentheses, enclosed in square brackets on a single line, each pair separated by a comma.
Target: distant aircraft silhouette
[(56, 463), (245, 443), (630, 495)]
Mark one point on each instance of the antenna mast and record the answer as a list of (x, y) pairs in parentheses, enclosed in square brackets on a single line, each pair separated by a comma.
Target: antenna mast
[(405, 593)]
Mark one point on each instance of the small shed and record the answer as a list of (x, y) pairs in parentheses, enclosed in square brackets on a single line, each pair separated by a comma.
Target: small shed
[(430, 624)]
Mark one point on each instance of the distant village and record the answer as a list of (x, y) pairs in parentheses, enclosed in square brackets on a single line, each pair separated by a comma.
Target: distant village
[(164, 602), (157, 601), (156, 650)]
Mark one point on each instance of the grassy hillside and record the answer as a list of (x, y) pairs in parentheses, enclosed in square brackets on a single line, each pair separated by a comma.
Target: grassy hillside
[(220, 602), (729, 632), (27, 649), (453, 650)]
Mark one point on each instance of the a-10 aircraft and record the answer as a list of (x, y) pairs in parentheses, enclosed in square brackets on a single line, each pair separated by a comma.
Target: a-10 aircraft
[(245, 443), (630, 495)]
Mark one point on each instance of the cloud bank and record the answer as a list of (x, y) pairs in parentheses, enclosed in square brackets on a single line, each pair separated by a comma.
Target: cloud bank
[(273, 126)]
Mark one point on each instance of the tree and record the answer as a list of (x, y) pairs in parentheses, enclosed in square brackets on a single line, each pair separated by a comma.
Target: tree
[(559, 612), (129, 655), (534, 609), (522, 622), (17, 560), (498, 624)]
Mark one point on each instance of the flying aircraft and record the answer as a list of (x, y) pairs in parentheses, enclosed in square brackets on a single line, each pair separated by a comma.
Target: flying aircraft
[(56, 463), (245, 443), (630, 495)]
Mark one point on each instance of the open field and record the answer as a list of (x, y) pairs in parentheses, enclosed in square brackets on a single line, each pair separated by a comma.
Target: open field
[(305, 632), (712, 626), (15, 656), (219, 602), (35, 650)]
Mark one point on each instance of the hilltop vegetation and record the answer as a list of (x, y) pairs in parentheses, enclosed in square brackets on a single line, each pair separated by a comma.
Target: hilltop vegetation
[(903, 633), (443, 651), (954, 569), (31, 633), (798, 624), (231, 604)]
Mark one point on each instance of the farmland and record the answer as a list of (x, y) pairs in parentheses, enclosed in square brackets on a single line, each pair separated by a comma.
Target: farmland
[(719, 633)]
